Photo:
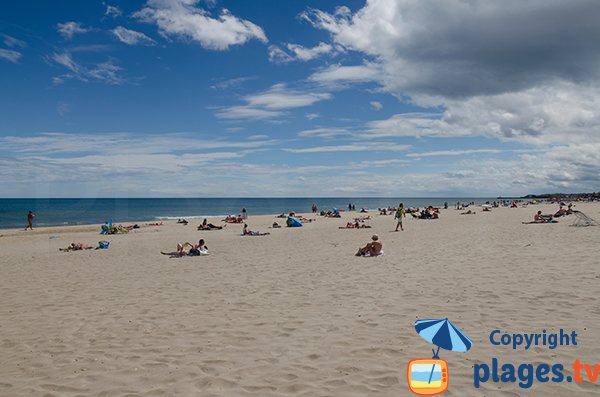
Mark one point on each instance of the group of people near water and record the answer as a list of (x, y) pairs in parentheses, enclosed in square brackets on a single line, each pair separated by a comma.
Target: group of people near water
[(373, 248)]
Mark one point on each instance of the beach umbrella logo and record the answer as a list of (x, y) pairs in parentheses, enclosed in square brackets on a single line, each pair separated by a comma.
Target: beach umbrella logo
[(429, 376)]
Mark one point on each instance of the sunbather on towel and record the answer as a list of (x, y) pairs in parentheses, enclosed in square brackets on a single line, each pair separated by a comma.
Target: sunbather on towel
[(195, 250), (248, 232), (78, 247), (209, 226)]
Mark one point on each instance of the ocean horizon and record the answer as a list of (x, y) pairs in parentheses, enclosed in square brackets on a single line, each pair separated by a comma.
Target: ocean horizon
[(79, 211)]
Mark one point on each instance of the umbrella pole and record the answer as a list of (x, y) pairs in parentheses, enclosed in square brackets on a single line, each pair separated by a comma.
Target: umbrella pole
[(435, 355)]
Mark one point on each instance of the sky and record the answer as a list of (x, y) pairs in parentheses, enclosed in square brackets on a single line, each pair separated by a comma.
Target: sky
[(271, 98)]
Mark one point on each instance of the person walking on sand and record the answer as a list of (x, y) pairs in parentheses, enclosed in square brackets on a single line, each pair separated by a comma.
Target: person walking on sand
[(30, 217), (244, 213), (400, 213)]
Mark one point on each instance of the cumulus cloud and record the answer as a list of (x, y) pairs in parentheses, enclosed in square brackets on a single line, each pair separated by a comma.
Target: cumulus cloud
[(525, 73), (471, 48), (272, 103), (184, 19), (70, 29), (131, 37), (297, 52), (10, 55)]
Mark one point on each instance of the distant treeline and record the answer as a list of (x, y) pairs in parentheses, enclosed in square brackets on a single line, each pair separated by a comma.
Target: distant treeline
[(565, 196)]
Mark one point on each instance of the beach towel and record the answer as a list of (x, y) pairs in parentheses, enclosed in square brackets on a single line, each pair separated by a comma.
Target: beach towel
[(368, 255)]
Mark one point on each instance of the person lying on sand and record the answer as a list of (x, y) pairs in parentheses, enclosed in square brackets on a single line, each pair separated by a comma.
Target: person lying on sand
[(155, 224), (77, 247), (233, 219), (248, 232), (209, 226), (355, 225), (469, 212), (182, 221), (564, 212), (195, 250), (276, 225), (371, 249)]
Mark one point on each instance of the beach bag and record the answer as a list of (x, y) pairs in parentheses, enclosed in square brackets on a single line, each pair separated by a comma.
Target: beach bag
[(103, 244)]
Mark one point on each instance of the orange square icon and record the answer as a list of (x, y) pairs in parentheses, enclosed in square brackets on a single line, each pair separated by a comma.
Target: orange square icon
[(427, 376)]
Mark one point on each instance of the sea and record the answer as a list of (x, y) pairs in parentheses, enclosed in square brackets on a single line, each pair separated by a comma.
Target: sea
[(78, 211)]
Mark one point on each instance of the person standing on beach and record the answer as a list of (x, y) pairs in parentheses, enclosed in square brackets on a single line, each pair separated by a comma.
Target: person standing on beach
[(30, 217), (244, 213), (400, 213)]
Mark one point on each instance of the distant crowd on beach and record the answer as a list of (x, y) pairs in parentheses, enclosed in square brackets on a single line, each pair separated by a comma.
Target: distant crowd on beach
[(373, 248)]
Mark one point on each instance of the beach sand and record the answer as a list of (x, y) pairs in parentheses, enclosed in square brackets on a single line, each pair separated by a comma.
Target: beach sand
[(294, 313)]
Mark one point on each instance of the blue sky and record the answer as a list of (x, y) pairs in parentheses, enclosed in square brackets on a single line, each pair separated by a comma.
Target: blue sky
[(175, 98)]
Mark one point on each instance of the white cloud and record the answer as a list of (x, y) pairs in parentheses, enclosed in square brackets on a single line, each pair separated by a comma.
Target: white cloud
[(104, 164), (70, 29), (297, 52), (182, 18), (107, 72), (510, 84), (355, 147), (271, 103), (453, 152), (10, 55), (558, 113), (112, 11), (12, 42), (131, 37), (247, 113), (376, 105), (312, 115), (325, 132), (369, 72), (231, 83)]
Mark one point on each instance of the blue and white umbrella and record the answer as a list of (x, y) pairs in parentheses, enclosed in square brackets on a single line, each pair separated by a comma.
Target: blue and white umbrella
[(442, 333)]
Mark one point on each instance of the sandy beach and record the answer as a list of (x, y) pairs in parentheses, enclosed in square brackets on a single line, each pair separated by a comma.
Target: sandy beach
[(294, 313)]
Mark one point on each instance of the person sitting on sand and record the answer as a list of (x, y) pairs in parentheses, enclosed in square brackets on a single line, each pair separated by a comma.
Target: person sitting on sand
[(371, 249), (539, 218), (208, 226), (248, 232), (195, 250)]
